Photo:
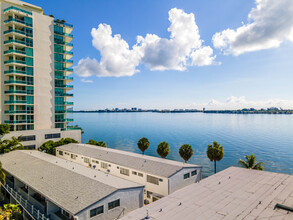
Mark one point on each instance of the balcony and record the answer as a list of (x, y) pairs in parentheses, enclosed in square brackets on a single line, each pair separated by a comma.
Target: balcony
[(64, 103), (19, 122), (18, 32), (12, 8), (17, 21), (18, 112), (64, 94), (70, 128), (21, 42), (15, 102), (65, 86), (21, 52), (63, 23), (64, 120), (17, 92), (18, 72), (63, 34), (64, 77), (18, 82)]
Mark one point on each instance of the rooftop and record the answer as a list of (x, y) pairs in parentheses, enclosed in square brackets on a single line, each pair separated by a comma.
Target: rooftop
[(235, 193), (69, 185), (152, 165)]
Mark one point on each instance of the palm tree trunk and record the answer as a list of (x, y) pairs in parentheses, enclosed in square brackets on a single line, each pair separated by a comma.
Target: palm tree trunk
[(215, 166)]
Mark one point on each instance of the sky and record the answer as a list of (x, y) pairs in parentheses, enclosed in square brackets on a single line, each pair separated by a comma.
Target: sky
[(167, 54)]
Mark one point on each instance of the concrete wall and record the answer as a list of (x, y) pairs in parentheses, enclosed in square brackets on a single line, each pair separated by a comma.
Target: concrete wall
[(40, 135), (130, 199), (177, 181), (44, 85)]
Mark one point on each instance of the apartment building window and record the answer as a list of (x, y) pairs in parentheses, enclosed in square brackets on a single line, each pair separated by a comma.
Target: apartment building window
[(73, 156), (96, 211), (124, 171), (140, 174), (186, 175), (134, 173), (114, 204), (86, 160), (51, 136), (193, 173), (152, 179), (28, 138), (61, 152), (104, 165)]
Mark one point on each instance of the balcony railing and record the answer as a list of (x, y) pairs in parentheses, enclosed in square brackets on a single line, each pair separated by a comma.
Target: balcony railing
[(18, 71), (19, 32), (64, 94), (64, 43), (65, 86), (15, 61), (16, 91), (65, 52), (18, 21), (64, 120), (18, 82), (64, 103), (17, 9), (63, 23), (15, 51), (63, 112), (18, 112), (18, 42), (19, 121), (70, 128), (63, 77), (25, 204), (15, 102), (62, 33)]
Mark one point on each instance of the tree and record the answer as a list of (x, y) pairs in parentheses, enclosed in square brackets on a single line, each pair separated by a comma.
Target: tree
[(251, 163), (215, 153), (143, 144), (10, 145), (12, 210), (99, 143), (4, 129), (186, 152), (2, 175), (163, 149), (49, 147)]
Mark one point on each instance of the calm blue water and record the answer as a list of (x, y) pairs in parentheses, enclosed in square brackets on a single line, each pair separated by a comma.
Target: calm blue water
[(269, 137)]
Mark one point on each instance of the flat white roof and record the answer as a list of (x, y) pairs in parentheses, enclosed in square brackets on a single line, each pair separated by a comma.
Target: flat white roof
[(152, 165), (235, 193), (67, 184)]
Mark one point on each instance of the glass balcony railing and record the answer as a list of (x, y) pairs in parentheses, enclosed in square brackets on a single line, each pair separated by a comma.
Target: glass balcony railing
[(64, 43), (18, 21), (64, 120), (64, 112), (70, 128), (19, 121), (18, 71), (18, 42), (64, 94), (14, 61), (18, 82), (16, 91), (19, 32), (63, 34), (17, 9), (18, 112), (65, 86), (64, 77), (15, 51), (63, 23), (15, 102)]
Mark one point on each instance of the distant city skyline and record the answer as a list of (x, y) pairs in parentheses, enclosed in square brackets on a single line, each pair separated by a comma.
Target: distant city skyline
[(180, 54)]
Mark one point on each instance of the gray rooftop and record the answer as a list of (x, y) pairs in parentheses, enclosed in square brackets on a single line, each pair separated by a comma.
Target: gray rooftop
[(235, 193), (69, 185), (153, 165)]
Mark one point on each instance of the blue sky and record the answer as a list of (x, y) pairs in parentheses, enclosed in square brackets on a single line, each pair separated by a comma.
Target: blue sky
[(252, 68)]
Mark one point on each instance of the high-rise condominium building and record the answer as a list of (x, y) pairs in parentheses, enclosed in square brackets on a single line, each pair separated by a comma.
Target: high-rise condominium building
[(35, 67)]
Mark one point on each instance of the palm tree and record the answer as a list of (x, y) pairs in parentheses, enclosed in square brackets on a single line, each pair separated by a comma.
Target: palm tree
[(2, 175), (251, 163), (186, 152), (11, 210), (163, 149), (11, 145), (143, 144), (215, 153)]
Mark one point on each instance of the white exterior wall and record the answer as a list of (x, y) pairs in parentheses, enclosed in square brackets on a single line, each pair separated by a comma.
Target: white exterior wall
[(40, 135), (44, 85), (130, 199), (177, 181)]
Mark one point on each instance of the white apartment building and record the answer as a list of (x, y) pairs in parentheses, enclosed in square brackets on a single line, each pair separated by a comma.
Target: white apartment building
[(160, 177), (48, 187), (35, 55)]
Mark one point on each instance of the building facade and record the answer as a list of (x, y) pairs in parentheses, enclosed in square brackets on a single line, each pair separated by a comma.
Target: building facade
[(160, 177), (47, 187), (35, 67)]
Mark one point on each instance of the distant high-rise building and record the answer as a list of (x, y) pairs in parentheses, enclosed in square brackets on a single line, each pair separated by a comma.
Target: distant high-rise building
[(35, 64)]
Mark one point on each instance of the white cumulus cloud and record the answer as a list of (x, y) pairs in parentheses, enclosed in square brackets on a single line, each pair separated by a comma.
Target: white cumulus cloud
[(184, 48), (87, 80), (269, 24)]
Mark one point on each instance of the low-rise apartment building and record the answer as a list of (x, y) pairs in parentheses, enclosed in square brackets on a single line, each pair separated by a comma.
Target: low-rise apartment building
[(48, 187), (160, 177)]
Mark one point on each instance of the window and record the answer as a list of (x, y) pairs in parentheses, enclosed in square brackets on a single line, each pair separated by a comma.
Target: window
[(193, 173), (65, 213), (96, 211), (134, 173), (28, 138), (186, 175), (73, 156), (61, 152), (104, 165), (30, 147), (112, 205), (50, 136), (140, 174), (86, 160), (124, 171), (152, 179)]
